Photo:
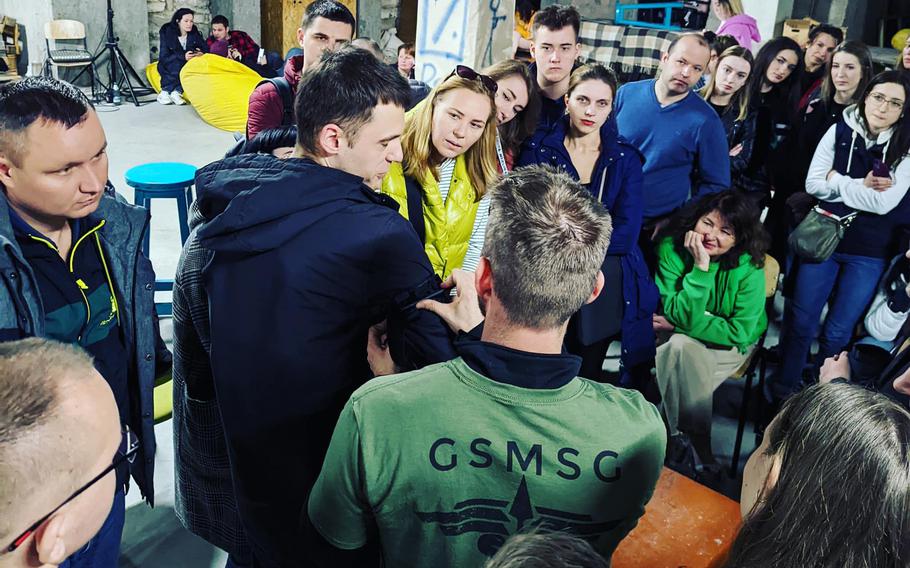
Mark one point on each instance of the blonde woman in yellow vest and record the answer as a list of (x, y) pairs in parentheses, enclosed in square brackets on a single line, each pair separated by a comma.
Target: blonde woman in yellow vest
[(449, 147)]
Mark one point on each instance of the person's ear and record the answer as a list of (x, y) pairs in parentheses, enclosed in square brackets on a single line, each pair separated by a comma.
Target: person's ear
[(533, 50), (50, 545), (902, 383), (664, 57), (598, 287), (300, 36), (330, 140), (483, 279), (6, 164)]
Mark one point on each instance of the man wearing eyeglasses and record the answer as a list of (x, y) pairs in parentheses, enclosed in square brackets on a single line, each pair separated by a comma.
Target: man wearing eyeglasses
[(71, 264), (60, 442)]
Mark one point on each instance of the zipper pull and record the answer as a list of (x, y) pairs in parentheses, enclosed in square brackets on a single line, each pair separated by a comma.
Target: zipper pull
[(82, 285)]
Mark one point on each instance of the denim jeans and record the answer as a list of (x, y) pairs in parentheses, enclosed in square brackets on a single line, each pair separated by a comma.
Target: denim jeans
[(853, 280), (103, 550)]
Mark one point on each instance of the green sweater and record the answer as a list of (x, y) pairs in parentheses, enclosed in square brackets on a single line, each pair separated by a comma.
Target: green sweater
[(721, 307)]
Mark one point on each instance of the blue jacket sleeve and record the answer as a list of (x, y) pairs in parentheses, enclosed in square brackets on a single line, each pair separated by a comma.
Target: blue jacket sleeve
[(628, 207), (713, 159)]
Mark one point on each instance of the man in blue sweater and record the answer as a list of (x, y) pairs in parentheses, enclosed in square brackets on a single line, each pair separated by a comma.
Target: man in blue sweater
[(681, 137)]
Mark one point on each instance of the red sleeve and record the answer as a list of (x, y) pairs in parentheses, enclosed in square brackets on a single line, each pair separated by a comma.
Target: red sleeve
[(246, 45), (265, 110)]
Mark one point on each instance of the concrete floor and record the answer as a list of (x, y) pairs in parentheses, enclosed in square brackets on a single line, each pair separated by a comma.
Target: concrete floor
[(153, 538)]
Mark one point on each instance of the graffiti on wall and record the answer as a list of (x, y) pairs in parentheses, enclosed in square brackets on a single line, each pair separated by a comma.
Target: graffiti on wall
[(472, 32)]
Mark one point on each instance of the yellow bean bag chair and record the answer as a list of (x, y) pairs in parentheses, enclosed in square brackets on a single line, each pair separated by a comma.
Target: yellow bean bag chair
[(218, 88), (900, 39)]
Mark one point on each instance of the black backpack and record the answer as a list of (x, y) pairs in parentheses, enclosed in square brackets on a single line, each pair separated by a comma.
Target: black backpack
[(287, 97)]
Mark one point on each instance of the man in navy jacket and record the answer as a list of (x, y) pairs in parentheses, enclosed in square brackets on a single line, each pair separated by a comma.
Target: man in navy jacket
[(307, 257)]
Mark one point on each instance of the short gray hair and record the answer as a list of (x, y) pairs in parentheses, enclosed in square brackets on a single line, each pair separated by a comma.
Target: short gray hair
[(546, 550), (30, 375), (546, 241)]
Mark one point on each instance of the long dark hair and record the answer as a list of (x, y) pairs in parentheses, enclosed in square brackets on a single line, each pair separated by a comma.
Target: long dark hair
[(739, 211), (514, 132), (526, 9), (842, 497), (900, 140), (179, 14), (789, 87), (858, 50)]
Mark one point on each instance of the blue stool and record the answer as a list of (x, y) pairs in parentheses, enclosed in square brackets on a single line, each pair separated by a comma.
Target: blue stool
[(163, 180)]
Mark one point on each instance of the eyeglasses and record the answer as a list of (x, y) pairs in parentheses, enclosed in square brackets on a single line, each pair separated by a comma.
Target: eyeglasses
[(129, 445), (879, 99), (466, 72)]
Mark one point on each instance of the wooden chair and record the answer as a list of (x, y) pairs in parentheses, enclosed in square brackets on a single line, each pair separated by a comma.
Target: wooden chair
[(756, 361), (74, 53), (685, 524)]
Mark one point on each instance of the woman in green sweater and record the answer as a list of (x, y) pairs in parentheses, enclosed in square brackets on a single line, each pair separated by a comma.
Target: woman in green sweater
[(711, 279)]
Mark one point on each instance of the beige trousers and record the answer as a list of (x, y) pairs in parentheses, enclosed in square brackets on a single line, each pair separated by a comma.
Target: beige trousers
[(688, 372)]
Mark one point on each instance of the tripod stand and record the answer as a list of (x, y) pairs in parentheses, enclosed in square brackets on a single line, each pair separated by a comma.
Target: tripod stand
[(128, 79)]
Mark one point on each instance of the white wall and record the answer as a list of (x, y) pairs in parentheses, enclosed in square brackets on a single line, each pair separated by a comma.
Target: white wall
[(770, 15), (31, 15)]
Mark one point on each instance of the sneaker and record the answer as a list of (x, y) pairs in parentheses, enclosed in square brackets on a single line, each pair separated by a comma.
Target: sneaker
[(177, 98), (164, 98)]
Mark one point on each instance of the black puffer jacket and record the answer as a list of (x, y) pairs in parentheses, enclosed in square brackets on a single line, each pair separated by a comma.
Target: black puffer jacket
[(172, 55)]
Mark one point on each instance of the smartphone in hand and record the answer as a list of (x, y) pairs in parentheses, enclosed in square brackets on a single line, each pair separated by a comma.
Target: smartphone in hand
[(880, 169)]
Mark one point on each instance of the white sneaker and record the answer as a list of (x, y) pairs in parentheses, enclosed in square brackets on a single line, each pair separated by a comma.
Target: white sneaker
[(164, 98), (177, 98)]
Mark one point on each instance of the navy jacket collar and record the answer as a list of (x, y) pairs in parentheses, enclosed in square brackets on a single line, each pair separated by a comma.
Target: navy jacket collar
[(517, 368)]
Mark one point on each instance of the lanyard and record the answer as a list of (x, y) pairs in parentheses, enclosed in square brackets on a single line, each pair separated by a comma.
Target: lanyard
[(501, 155)]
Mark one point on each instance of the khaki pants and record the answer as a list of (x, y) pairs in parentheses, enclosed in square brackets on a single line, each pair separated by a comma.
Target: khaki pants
[(688, 372)]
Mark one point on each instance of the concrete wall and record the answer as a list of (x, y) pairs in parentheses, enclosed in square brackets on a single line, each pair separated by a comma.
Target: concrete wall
[(242, 14), (130, 25), (31, 15)]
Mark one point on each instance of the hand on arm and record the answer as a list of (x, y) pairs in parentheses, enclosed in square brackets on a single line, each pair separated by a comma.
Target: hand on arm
[(463, 312)]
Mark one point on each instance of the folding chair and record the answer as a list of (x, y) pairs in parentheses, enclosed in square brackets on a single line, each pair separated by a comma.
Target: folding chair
[(757, 360), (72, 54)]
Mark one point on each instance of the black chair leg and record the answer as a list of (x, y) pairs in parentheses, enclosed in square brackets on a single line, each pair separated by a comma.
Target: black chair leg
[(758, 428), (741, 426)]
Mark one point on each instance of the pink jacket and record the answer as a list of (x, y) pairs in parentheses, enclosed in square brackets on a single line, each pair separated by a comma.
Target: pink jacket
[(742, 27)]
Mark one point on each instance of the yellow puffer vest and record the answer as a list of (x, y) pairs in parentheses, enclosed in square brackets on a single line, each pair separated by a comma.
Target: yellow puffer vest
[(448, 225)]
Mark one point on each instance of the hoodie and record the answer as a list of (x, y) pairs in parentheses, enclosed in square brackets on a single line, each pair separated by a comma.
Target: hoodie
[(850, 150), (743, 28), (305, 259), (266, 109), (172, 54)]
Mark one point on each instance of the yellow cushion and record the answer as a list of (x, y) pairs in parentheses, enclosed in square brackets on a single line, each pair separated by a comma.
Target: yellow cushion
[(151, 73), (164, 401), (900, 39), (219, 89)]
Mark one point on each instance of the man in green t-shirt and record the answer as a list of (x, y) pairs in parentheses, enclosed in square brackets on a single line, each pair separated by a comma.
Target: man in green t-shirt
[(439, 466)]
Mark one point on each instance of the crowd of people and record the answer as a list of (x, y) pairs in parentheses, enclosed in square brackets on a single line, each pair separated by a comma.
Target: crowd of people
[(393, 309)]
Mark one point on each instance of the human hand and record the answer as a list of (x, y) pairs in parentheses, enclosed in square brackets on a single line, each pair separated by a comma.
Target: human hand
[(661, 323), (835, 367), (233, 53), (189, 55), (736, 150), (831, 175), (877, 183), (463, 312), (378, 355), (695, 245)]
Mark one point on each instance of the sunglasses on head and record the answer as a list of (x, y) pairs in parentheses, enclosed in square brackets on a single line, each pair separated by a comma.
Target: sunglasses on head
[(466, 72)]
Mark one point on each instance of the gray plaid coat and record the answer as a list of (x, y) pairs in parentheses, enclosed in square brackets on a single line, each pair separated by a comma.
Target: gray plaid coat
[(205, 502)]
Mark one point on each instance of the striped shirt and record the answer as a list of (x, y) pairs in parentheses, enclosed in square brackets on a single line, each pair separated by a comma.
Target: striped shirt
[(475, 244)]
